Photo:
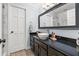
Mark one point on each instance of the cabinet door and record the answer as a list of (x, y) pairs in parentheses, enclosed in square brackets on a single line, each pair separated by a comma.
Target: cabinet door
[(31, 43), (31, 37), (52, 52), (36, 49), (45, 46), (42, 51)]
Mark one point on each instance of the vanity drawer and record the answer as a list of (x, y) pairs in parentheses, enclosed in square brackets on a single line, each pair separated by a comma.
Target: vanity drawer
[(36, 50), (36, 40), (53, 52), (42, 51), (43, 45)]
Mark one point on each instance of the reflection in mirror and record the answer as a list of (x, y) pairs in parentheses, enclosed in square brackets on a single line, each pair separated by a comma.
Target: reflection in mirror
[(62, 16)]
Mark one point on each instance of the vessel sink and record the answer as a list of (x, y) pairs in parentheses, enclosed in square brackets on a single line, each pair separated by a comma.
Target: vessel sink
[(43, 36)]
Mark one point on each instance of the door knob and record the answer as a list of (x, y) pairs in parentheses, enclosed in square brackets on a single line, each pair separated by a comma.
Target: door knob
[(2, 41), (12, 31)]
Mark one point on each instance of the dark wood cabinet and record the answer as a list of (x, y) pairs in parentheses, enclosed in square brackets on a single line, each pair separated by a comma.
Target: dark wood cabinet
[(44, 46), (53, 52), (52, 48), (42, 51), (39, 48), (36, 49), (31, 43)]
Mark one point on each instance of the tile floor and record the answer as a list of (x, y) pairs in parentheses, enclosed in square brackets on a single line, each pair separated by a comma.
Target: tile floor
[(22, 53)]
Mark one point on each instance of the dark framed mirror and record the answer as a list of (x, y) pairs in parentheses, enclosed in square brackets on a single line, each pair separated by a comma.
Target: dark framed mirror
[(62, 15)]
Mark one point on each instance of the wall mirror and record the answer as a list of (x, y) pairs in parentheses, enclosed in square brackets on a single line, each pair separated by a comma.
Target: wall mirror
[(61, 15)]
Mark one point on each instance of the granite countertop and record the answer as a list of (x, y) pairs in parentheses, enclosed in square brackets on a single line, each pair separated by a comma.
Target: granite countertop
[(62, 47)]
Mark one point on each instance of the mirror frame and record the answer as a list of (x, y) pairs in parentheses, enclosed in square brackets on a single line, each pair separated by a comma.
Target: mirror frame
[(57, 6)]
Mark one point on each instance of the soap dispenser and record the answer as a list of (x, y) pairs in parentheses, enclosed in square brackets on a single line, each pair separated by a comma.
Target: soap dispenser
[(77, 41)]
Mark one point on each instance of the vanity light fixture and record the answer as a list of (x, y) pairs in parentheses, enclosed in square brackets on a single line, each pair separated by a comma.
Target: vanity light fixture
[(46, 6)]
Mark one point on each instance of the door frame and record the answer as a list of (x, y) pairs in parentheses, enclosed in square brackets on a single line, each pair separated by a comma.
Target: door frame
[(1, 28), (7, 22)]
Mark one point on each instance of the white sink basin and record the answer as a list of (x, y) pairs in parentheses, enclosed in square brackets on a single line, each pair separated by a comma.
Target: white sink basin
[(43, 36)]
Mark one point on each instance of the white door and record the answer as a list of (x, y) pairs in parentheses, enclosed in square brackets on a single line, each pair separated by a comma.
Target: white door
[(0, 28), (16, 28)]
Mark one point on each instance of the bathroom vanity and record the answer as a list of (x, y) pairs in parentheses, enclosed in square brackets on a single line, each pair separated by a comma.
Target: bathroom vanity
[(62, 15), (61, 47)]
